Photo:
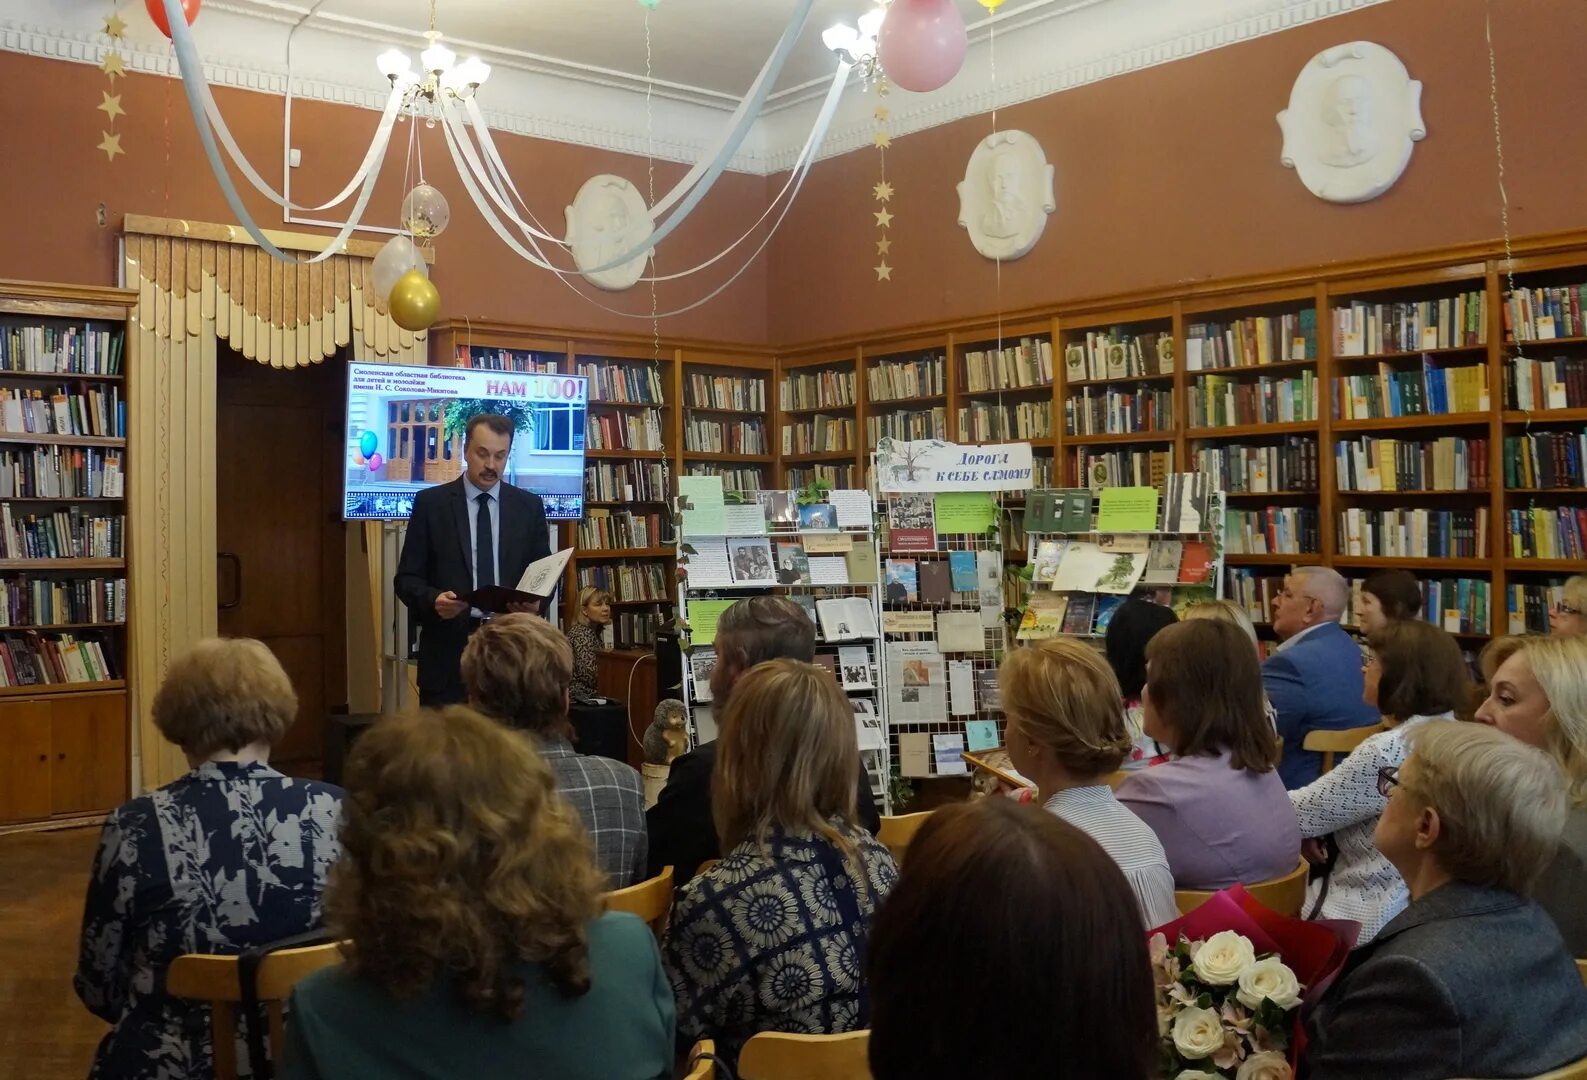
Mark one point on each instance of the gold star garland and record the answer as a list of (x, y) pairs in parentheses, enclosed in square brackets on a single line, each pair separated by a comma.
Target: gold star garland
[(110, 103), (883, 191)]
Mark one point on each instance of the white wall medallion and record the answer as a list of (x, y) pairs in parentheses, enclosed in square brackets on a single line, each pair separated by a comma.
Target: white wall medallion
[(1006, 195), (607, 218), (1353, 116)]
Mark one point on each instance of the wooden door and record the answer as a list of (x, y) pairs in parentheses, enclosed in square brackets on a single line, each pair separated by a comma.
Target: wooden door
[(279, 531), (88, 752), (24, 760)]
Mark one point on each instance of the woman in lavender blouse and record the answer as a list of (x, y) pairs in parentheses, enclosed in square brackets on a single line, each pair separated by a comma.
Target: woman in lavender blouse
[(1217, 805)]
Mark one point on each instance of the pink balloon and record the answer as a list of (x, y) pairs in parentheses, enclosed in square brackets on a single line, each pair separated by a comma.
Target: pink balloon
[(375, 462), (921, 43)]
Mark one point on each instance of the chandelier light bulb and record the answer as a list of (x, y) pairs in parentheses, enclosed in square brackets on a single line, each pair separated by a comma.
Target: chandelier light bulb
[(437, 58), (871, 25), (479, 71), (393, 64), (840, 39)]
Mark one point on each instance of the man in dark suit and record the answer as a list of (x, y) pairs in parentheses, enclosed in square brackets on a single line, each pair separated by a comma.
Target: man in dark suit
[(752, 631), (472, 533)]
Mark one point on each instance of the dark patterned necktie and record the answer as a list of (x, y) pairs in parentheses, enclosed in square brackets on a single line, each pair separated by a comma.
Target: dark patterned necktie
[(484, 547)]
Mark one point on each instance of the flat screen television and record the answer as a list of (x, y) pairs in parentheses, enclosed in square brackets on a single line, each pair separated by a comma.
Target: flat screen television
[(405, 427)]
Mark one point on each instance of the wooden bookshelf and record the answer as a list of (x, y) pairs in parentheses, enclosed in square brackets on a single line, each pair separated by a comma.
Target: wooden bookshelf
[(728, 398)]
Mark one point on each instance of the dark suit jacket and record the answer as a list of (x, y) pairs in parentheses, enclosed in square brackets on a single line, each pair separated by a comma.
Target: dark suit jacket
[(682, 834), (1315, 683), (1467, 981), (437, 557)]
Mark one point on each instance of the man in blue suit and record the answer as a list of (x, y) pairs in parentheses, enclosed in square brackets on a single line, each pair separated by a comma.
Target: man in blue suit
[(1314, 678)]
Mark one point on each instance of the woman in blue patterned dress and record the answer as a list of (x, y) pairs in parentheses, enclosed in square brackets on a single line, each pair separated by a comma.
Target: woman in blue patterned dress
[(231, 855), (772, 938)]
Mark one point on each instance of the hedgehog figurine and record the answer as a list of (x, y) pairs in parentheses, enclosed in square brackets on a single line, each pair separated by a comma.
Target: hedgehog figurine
[(666, 737)]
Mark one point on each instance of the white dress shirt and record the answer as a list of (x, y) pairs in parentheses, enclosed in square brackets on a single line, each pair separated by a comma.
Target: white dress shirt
[(1128, 840)]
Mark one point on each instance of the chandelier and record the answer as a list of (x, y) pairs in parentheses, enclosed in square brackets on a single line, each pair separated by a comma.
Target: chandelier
[(856, 46)]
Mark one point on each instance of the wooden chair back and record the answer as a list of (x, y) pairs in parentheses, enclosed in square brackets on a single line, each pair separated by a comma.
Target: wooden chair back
[(773, 1055), (700, 1066), (215, 979), (1285, 895), (1581, 968), (896, 832), (705, 867), (1330, 743), (651, 900), (1576, 1070)]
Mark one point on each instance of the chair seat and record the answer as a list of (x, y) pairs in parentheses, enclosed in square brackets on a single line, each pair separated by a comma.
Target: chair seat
[(773, 1055)]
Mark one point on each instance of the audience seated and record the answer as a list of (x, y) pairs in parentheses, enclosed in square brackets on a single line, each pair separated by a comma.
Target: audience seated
[(1569, 616), (518, 669), (1065, 732), (1226, 611), (472, 907), (584, 636), (1217, 805), (1129, 631), (1471, 979), (772, 938), (1538, 694), (1010, 947), (1313, 679), (1415, 674), (231, 855), (1387, 596), (750, 632)]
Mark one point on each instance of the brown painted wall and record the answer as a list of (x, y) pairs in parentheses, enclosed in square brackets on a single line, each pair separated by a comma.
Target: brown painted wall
[(1172, 175), (53, 179)]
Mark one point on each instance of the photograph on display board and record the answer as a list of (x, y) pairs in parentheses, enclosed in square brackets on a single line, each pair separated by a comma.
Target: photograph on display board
[(793, 566), (778, 505), (818, 516), (750, 560)]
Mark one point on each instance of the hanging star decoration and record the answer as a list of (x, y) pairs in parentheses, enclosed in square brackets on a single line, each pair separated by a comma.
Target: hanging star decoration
[(111, 106), (114, 68), (883, 219), (111, 145), (111, 64), (883, 271), (882, 190)]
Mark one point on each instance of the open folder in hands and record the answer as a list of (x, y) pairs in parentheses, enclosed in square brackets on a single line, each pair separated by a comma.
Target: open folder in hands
[(538, 583)]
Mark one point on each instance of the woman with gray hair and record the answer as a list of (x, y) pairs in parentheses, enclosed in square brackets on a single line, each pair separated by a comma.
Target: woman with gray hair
[(231, 855)]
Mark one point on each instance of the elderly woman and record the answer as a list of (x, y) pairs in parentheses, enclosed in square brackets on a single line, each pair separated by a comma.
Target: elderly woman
[(1471, 979), (1568, 615), (1538, 694), (231, 855), (1066, 732)]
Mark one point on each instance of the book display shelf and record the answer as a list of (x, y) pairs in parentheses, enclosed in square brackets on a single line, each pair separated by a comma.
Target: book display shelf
[(64, 719)]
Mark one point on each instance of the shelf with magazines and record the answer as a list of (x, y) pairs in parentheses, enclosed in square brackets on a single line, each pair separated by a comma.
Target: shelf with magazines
[(728, 427), (64, 570)]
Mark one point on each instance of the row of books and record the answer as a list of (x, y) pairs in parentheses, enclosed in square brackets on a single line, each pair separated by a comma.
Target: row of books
[(1290, 465), (635, 629), (1364, 329), (1096, 468), (1221, 401), (645, 579), (639, 383), (1527, 606), (75, 350), (1450, 463), (61, 472), (1430, 392), (487, 359), (61, 411), (817, 389), (982, 421), (1027, 364), (908, 424), (34, 659), (1548, 532), (626, 481), (65, 534), (602, 528), (837, 476), (734, 477), (1415, 533), (1560, 383), (1118, 353), (894, 380), (1458, 604), (1254, 590), (1112, 411), (819, 434), (1546, 459), (725, 437), (741, 392), (1542, 313), (639, 430), (1272, 530), (1252, 341), (36, 601)]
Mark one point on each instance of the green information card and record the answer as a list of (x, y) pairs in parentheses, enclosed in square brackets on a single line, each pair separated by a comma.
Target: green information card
[(1127, 509), (703, 617), (960, 512)]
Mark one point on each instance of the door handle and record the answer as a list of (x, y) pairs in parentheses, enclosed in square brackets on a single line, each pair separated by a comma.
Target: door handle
[(236, 575)]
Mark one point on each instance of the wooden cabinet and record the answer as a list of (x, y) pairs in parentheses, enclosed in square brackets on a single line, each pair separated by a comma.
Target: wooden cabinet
[(629, 675), (62, 754)]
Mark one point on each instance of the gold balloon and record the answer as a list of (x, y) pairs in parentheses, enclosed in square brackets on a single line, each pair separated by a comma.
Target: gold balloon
[(992, 5), (414, 302)]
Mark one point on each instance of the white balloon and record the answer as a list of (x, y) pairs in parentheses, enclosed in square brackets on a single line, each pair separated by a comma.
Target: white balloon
[(395, 259)]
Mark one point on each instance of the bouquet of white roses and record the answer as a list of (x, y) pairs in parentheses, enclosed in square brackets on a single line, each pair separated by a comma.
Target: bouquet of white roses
[(1223, 1010)]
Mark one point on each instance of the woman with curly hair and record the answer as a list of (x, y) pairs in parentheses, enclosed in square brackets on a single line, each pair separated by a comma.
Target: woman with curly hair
[(471, 906)]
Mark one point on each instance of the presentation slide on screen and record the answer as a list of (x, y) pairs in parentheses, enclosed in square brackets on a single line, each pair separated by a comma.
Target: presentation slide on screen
[(405, 429)]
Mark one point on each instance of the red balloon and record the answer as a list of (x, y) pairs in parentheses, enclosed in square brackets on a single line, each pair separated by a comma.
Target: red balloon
[(156, 9)]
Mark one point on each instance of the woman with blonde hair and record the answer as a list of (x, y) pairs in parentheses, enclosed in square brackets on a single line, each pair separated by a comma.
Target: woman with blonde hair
[(1568, 615), (1538, 694), (472, 911), (1225, 611), (594, 616), (1065, 730), (231, 855), (772, 938)]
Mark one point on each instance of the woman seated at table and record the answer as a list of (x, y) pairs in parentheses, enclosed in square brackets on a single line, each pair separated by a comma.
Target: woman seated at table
[(1471, 979), (772, 938), (1065, 732), (584, 636), (472, 904), (1217, 805), (1415, 674)]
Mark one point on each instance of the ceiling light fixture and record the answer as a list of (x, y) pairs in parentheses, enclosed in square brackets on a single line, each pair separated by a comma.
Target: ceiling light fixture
[(857, 45)]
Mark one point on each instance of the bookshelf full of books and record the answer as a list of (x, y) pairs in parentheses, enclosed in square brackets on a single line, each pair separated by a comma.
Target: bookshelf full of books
[(906, 395), (1002, 386), (64, 598), (728, 423), (818, 402), (1118, 400)]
